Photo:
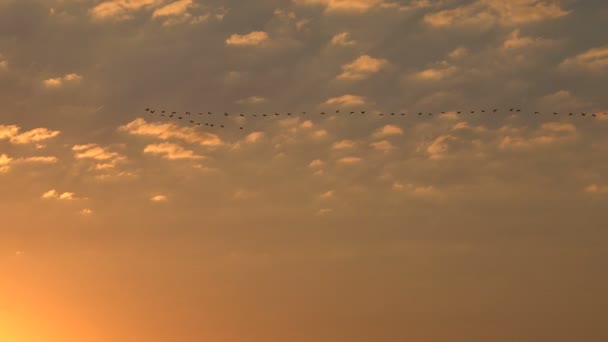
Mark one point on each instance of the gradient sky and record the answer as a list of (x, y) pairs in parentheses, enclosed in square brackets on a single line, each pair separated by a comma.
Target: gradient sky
[(118, 225)]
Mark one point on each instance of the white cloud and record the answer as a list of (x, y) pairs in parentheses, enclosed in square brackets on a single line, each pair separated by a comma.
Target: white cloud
[(86, 212), (5, 163), (254, 137)]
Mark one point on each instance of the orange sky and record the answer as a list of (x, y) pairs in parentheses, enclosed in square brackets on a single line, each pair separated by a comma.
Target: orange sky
[(121, 225)]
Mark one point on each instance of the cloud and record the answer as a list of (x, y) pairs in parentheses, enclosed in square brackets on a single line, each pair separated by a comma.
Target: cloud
[(327, 195), (35, 135), (344, 6), (458, 53), (346, 100), (171, 151), (388, 130), (435, 74), (166, 131), (93, 151), (120, 9), (316, 163), (484, 13), (384, 146), (342, 39), (596, 189), (254, 137), (549, 133), (593, 60), (361, 68), (61, 81), (515, 41), (5, 163), (324, 211), (416, 189), (243, 194), (3, 63), (439, 147), (159, 198), (249, 39), (252, 100), (173, 9), (306, 124), (86, 212), (343, 144), (349, 160), (53, 194)]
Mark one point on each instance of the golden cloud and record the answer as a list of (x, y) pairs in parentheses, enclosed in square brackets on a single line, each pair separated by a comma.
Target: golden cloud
[(166, 131), (171, 151), (362, 67), (249, 39)]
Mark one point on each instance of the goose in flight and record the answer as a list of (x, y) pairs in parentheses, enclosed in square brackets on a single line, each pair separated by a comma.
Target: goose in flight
[(495, 110), (147, 109)]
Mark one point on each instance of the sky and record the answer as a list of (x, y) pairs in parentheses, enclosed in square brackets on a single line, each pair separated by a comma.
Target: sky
[(117, 224)]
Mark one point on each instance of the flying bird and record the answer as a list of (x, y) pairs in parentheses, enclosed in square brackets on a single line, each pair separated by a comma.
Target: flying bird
[(495, 110), (147, 109)]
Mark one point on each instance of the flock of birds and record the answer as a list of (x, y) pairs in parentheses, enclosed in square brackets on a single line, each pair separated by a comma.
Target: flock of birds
[(193, 118)]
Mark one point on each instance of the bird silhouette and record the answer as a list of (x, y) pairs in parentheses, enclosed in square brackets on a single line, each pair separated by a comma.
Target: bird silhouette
[(226, 114), (241, 127), (242, 115), (337, 111), (495, 110), (187, 113), (322, 113), (147, 109), (162, 111)]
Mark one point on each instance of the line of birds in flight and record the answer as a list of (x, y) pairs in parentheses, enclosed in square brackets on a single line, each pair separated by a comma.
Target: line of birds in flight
[(189, 116)]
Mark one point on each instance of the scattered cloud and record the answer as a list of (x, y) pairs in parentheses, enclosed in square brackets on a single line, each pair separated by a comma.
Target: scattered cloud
[(53, 194), (515, 41), (342, 39), (347, 100), (349, 160), (316, 163), (250, 39), (254, 137), (5, 163), (327, 195), (171, 151), (344, 6), (484, 13), (86, 212), (596, 189), (159, 198), (35, 135), (384, 146), (439, 147), (343, 144), (166, 131), (387, 131), (58, 82), (252, 100), (361, 68), (593, 60), (121, 9)]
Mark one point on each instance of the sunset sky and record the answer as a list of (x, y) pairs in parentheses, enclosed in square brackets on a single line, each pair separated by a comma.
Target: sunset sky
[(121, 225)]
